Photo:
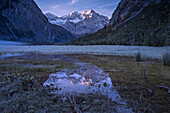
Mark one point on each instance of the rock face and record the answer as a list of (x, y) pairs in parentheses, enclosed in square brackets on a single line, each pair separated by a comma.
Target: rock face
[(80, 23), (22, 20), (128, 9)]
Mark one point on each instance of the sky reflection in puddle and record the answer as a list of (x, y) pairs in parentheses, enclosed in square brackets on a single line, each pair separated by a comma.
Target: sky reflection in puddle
[(87, 79), (76, 83)]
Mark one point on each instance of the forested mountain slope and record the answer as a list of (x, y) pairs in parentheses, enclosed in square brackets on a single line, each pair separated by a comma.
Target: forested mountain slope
[(148, 26)]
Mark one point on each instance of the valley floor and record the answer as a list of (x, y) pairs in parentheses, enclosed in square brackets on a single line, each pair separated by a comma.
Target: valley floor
[(106, 71), (147, 52)]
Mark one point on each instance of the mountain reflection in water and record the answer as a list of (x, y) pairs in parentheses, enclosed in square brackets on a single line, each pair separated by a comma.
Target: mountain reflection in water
[(88, 79)]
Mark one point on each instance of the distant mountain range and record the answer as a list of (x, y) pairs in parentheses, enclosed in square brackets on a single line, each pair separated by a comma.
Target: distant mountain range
[(80, 24), (134, 22), (22, 20)]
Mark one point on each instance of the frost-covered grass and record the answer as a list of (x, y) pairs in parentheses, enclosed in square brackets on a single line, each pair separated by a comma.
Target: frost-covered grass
[(20, 65), (152, 52), (21, 86), (136, 81), (21, 92)]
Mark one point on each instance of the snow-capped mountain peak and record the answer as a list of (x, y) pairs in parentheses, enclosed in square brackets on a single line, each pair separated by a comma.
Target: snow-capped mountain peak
[(74, 13), (88, 12), (51, 16), (75, 17), (80, 16), (80, 23)]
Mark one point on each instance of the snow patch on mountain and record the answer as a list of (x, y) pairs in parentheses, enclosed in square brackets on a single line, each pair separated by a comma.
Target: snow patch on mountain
[(76, 20), (58, 21)]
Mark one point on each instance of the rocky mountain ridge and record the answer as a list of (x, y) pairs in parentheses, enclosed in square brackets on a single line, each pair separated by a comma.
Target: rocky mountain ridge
[(128, 9), (80, 24), (22, 20)]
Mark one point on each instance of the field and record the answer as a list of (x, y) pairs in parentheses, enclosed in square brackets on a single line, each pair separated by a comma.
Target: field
[(141, 86), (148, 52)]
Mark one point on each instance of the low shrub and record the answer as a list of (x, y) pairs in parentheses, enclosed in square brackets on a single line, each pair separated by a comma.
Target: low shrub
[(166, 59), (138, 57)]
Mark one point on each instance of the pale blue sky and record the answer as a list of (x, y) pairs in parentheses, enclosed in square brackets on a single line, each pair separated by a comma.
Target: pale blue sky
[(64, 7)]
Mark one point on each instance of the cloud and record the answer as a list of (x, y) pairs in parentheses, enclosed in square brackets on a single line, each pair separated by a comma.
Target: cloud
[(110, 4), (106, 5), (73, 2), (55, 6)]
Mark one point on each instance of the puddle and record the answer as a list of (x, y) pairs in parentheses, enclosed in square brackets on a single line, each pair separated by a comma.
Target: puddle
[(81, 84), (88, 79)]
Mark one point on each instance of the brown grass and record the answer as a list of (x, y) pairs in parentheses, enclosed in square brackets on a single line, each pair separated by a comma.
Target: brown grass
[(136, 81)]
